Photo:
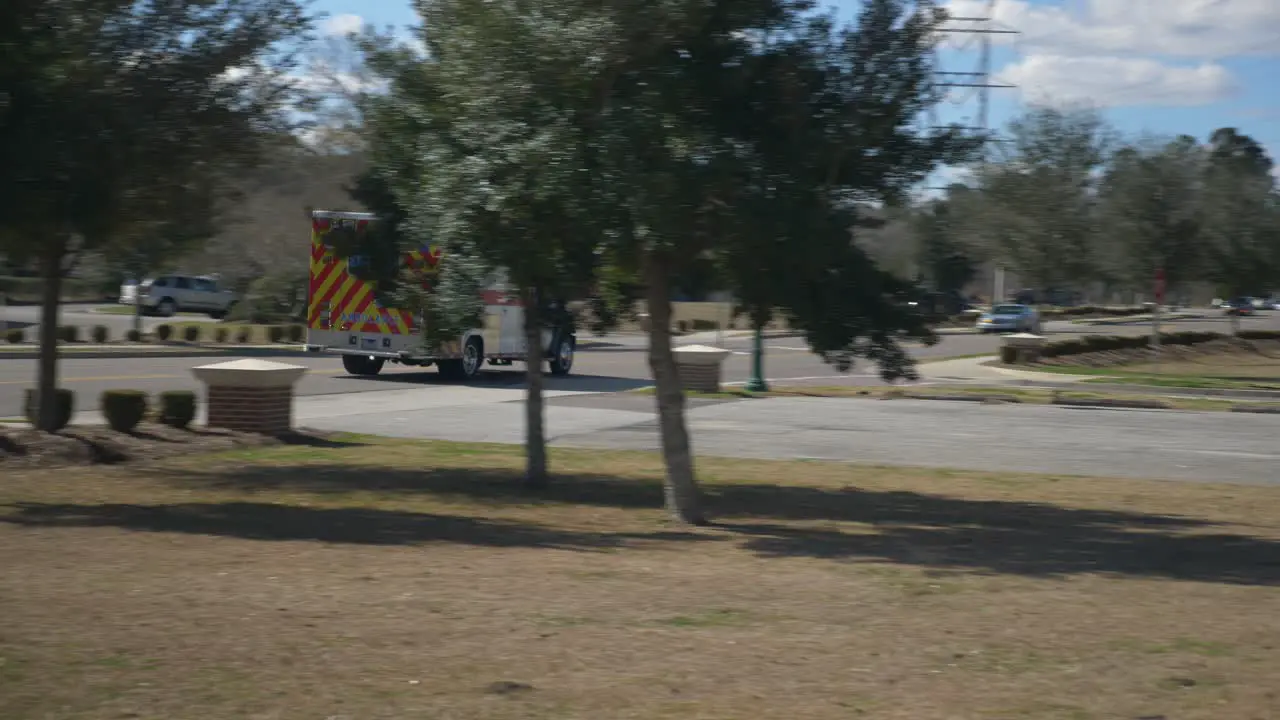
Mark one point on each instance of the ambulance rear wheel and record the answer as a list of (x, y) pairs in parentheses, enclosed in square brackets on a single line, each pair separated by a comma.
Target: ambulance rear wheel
[(561, 360), (362, 365), (467, 368)]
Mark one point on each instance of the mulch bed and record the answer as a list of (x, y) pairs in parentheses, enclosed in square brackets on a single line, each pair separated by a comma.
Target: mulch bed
[(22, 447)]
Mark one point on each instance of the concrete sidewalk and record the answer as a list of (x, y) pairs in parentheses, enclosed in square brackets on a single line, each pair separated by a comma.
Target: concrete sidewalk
[(975, 370)]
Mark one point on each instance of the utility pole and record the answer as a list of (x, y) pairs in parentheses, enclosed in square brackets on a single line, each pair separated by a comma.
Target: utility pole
[(977, 84)]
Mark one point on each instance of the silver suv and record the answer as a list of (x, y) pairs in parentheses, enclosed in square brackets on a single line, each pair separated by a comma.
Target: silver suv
[(169, 294)]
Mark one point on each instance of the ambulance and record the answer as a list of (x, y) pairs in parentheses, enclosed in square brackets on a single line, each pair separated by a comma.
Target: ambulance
[(344, 317)]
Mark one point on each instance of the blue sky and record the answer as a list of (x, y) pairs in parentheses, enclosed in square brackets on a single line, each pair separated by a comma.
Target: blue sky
[(1154, 66)]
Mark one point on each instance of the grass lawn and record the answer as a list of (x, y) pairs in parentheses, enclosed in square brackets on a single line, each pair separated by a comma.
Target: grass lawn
[(381, 579), (1228, 370), (1011, 394)]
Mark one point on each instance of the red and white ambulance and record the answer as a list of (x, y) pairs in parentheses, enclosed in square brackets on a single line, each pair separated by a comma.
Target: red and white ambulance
[(344, 317)]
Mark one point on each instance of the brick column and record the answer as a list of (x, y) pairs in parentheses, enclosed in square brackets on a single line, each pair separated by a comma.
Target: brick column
[(253, 396), (700, 367), (1026, 346)]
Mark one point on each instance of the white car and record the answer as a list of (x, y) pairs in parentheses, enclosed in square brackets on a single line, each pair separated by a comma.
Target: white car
[(169, 294)]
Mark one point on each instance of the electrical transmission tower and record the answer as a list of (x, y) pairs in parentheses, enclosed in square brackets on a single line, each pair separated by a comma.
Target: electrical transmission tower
[(965, 87), (962, 88)]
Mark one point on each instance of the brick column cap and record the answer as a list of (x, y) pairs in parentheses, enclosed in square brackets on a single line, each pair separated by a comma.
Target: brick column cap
[(700, 355), (249, 372)]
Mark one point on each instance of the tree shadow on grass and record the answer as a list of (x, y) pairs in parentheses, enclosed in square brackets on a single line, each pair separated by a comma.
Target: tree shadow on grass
[(358, 526), (1023, 538)]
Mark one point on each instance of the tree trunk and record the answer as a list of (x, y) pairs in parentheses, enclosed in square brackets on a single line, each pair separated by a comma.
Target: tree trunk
[(47, 373), (535, 440), (680, 492)]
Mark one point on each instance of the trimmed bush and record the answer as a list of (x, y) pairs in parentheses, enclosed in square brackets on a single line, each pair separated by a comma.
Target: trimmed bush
[(242, 335), (164, 332), (100, 334), (1008, 355), (133, 336), (705, 325), (296, 332), (1189, 337), (1063, 347), (124, 409), (191, 333), (64, 399), (220, 335), (1105, 343), (177, 408), (69, 333), (15, 336), (1259, 335), (275, 333)]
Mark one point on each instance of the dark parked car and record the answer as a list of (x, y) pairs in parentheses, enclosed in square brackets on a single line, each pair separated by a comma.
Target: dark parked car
[(1242, 306)]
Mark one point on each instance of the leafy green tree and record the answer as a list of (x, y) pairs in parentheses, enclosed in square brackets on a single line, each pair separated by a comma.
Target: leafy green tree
[(1152, 209), (750, 133), (1241, 222), (635, 145), (496, 179), (945, 258), (1038, 211), (120, 113)]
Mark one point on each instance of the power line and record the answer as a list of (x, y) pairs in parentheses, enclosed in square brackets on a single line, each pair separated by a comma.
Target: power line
[(978, 83)]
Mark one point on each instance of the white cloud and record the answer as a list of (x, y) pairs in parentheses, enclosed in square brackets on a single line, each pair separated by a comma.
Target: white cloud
[(342, 25), (1118, 81), (1180, 28)]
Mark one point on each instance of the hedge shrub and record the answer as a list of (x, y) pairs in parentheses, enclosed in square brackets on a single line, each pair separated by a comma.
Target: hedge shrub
[(191, 333), (1080, 310), (164, 332), (15, 336), (220, 335), (275, 333), (64, 399), (242, 335), (177, 408), (100, 334), (69, 333), (1104, 343), (296, 332), (124, 409), (1008, 355), (133, 336)]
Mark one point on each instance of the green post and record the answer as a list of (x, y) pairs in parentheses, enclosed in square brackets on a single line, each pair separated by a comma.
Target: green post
[(757, 383)]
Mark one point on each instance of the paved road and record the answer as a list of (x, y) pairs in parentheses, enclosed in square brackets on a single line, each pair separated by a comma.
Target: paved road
[(1012, 438), (620, 367), (594, 371)]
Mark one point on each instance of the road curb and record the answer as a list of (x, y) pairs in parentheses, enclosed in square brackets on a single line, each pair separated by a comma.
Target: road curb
[(1187, 392), (1259, 409), (1113, 403)]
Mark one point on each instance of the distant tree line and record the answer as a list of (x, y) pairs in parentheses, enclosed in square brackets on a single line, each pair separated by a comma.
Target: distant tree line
[(1067, 203)]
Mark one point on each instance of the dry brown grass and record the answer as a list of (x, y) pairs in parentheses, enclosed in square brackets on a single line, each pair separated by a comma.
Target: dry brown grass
[(1232, 365), (390, 579)]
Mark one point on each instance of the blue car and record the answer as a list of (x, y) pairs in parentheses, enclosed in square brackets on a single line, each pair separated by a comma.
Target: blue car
[(1009, 317)]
